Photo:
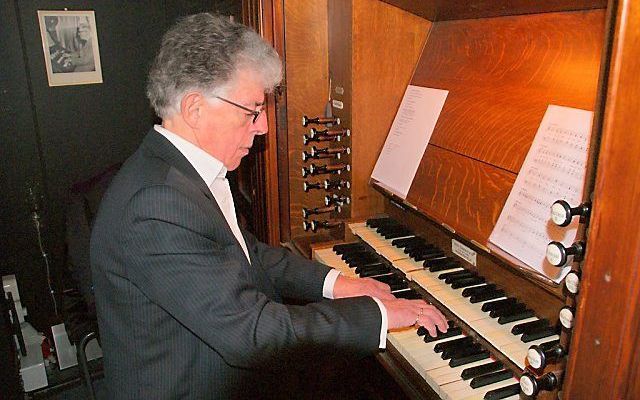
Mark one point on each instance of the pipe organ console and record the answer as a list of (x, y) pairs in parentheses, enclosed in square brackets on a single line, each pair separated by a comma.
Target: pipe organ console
[(513, 333)]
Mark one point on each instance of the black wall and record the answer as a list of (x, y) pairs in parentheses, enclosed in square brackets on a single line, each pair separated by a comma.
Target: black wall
[(54, 136)]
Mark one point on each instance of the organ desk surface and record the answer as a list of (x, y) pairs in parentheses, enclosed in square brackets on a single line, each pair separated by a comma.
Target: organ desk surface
[(503, 64)]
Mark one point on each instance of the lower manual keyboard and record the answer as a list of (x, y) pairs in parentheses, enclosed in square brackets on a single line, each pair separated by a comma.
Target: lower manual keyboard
[(446, 380)]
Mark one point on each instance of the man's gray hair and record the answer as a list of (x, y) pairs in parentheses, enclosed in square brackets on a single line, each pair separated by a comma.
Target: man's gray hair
[(202, 52)]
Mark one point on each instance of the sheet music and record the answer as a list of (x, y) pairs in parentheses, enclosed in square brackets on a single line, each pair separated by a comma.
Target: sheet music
[(554, 169), (408, 138)]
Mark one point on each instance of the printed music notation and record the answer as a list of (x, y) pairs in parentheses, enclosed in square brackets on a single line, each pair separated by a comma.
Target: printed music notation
[(408, 138), (554, 169)]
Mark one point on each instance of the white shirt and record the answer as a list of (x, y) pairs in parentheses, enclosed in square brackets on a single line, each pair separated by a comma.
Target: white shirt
[(213, 173)]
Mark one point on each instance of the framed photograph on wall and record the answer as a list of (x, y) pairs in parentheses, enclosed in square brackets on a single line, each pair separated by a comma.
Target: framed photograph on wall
[(70, 46)]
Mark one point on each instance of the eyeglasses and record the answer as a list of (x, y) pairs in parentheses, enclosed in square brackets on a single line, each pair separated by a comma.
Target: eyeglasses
[(255, 113)]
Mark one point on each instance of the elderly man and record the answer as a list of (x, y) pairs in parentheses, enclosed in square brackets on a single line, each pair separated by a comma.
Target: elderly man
[(189, 304)]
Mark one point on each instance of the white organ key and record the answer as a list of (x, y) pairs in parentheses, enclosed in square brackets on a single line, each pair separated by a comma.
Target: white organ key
[(460, 390), (392, 253), (330, 258), (407, 265), (427, 280)]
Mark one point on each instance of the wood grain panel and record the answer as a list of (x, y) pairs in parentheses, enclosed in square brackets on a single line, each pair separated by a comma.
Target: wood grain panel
[(502, 73), (307, 90), (607, 327), (460, 192), (387, 43), (341, 50), (441, 10)]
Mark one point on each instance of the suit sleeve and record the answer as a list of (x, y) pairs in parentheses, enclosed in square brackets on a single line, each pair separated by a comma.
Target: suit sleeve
[(177, 258), (294, 277)]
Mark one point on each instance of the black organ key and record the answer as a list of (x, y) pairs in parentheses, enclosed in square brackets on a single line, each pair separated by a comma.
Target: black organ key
[(428, 254), (419, 249), (456, 362), (357, 254), (529, 326), (397, 233), (363, 261), (440, 347), (488, 379), (483, 369), (472, 281), (408, 294), (474, 291), (398, 292), (535, 335), (451, 332), (486, 296), (460, 352), (450, 326), (385, 228), (370, 266), (341, 248), (376, 222), (417, 246), (447, 351), (502, 393), (394, 281), (363, 264), (498, 303), (389, 227), (366, 273), (507, 310), (404, 242), (446, 275), (398, 286), (505, 319), (459, 275), (441, 264), (392, 227)]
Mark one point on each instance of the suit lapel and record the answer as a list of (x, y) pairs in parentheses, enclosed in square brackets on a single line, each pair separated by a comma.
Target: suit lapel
[(162, 148)]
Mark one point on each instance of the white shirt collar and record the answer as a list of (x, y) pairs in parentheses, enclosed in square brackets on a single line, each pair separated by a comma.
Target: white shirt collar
[(207, 166)]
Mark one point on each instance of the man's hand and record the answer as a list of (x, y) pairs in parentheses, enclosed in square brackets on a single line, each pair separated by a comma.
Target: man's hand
[(402, 313), (352, 287)]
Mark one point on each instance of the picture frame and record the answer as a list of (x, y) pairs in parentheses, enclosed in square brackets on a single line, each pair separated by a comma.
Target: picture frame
[(70, 47)]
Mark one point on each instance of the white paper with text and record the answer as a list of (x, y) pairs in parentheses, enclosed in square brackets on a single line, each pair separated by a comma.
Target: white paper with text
[(554, 169), (408, 138)]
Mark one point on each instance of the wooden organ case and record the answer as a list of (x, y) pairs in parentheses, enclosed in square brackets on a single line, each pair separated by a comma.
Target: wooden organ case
[(503, 63)]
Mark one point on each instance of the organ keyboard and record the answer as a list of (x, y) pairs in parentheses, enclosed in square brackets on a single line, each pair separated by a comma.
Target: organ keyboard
[(484, 351)]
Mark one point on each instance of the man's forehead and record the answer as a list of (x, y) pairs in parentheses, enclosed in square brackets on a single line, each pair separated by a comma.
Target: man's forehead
[(250, 83)]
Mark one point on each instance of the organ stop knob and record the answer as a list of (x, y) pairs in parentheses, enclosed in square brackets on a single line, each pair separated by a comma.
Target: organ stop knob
[(558, 255), (532, 385), (562, 213), (572, 282), (539, 356), (567, 316), (320, 121)]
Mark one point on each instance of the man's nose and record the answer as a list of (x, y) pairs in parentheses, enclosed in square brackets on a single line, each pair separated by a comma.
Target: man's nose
[(262, 124)]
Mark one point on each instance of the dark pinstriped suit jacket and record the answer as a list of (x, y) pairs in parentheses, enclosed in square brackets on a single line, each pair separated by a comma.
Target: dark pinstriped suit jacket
[(182, 313)]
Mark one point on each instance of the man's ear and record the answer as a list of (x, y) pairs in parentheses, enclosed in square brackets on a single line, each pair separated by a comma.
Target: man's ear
[(191, 107)]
